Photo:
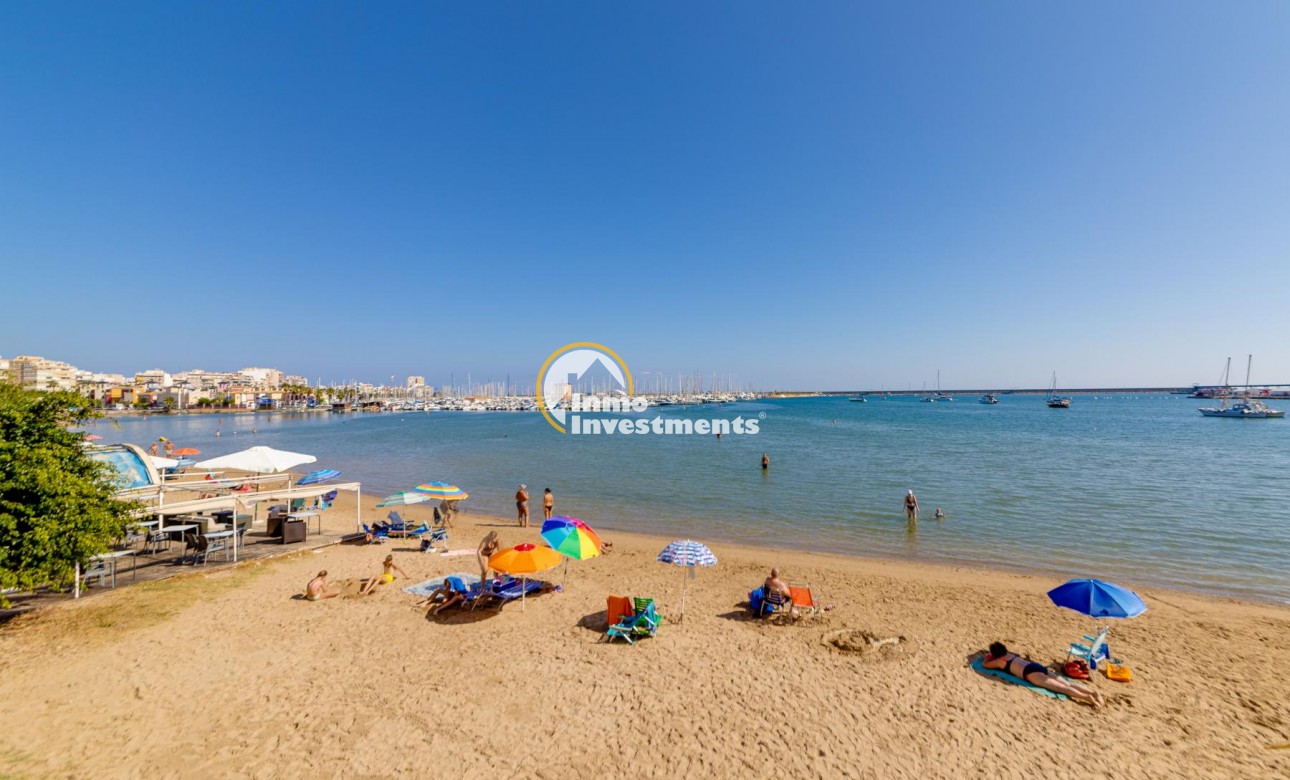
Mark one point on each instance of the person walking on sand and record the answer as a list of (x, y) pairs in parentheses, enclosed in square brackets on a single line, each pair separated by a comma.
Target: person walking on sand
[(765, 461), (487, 547), (522, 505), (911, 507), (317, 588), (548, 504), (385, 577), (1037, 674)]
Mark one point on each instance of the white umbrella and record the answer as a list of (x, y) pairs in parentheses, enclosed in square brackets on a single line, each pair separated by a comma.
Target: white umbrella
[(262, 460), (163, 463)]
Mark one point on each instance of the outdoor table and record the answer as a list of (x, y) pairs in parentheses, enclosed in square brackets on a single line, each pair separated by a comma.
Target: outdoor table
[(164, 532), (221, 535), (305, 516), (111, 558)]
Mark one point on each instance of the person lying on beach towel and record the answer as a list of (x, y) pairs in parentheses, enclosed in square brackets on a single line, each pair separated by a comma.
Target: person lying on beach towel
[(1038, 675), (445, 595), (385, 577)]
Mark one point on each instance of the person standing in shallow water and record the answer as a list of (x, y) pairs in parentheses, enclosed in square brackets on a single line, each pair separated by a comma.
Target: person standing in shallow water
[(522, 505), (765, 461), (911, 507)]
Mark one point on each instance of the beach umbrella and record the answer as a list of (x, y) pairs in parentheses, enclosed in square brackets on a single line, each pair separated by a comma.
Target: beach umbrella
[(689, 554), (524, 559), (404, 498), (262, 460), (572, 538), (187, 451), (442, 490), (163, 463), (1098, 599), (315, 477)]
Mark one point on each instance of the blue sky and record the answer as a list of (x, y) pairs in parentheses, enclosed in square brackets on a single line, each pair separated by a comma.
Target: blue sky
[(830, 195)]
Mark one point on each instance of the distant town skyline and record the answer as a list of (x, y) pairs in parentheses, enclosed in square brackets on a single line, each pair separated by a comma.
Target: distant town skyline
[(833, 196)]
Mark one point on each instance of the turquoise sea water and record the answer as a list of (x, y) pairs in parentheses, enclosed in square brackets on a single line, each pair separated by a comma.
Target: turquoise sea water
[(1137, 488)]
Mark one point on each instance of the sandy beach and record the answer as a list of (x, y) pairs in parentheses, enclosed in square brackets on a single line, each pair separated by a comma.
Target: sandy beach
[(231, 673)]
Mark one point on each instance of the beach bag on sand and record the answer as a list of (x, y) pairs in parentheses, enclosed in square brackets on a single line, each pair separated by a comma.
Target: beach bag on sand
[(1119, 673), (1077, 669)]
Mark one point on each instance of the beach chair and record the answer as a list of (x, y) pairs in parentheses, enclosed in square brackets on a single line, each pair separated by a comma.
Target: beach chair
[(804, 600), (375, 536), (499, 593), (763, 603), (1096, 649), (643, 623), (430, 536), (297, 504), (396, 521)]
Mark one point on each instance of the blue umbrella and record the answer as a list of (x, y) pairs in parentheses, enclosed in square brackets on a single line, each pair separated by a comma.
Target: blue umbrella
[(690, 554), (1098, 599), (321, 475)]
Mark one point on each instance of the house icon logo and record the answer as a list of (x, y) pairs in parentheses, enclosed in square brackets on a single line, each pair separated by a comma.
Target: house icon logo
[(582, 368)]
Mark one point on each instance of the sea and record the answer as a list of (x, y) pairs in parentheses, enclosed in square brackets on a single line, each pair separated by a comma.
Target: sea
[(1135, 488)]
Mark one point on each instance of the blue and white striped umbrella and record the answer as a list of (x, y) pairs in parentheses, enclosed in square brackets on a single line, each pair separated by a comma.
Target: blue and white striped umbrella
[(321, 475), (687, 553), (690, 554)]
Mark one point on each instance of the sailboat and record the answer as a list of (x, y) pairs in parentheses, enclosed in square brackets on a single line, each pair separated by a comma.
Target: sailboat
[(1246, 408), (938, 395), (1056, 401)]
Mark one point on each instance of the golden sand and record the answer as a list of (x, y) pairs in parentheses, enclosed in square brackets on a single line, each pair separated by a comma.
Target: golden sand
[(230, 673)]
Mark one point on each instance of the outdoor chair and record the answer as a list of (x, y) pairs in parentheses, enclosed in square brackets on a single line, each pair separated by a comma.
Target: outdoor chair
[(96, 570), (1096, 649), (804, 600), (375, 536), (643, 623)]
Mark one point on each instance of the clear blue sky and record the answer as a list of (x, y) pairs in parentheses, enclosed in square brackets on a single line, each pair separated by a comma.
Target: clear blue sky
[(830, 195)]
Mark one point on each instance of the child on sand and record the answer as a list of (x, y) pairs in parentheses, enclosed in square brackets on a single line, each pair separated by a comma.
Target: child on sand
[(317, 588), (385, 577)]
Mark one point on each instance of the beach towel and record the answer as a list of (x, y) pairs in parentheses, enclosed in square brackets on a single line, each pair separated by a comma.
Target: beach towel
[(448, 553), (979, 667), (619, 607), (424, 589)]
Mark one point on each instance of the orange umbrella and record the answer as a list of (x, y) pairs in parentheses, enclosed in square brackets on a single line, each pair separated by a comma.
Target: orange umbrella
[(524, 559), (187, 451)]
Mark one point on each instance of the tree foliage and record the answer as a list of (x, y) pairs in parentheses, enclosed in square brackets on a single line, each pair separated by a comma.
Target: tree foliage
[(57, 504)]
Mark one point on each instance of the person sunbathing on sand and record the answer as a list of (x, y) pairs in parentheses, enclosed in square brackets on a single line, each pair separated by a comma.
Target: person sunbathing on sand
[(385, 577), (445, 592), (1034, 673), (317, 588)]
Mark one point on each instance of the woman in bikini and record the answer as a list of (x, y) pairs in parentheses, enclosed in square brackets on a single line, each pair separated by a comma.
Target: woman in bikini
[(487, 547), (317, 588), (1034, 673), (385, 577), (548, 504)]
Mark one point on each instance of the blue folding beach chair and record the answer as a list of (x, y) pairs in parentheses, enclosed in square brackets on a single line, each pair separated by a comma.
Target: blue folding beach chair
[(375, 536), (644, 623), (1096, 649)]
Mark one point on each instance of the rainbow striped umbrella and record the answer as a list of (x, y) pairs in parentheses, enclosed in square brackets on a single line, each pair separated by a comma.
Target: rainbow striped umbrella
[(442, 490), (571, 537)]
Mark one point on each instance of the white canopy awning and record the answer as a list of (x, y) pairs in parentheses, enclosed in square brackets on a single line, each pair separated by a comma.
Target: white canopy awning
[(262, 460)]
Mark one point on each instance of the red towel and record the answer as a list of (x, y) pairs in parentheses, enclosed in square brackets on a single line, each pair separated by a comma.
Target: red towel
[(619, 607)]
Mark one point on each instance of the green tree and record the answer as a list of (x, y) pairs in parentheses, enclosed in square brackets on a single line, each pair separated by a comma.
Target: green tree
[(57, 504)]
